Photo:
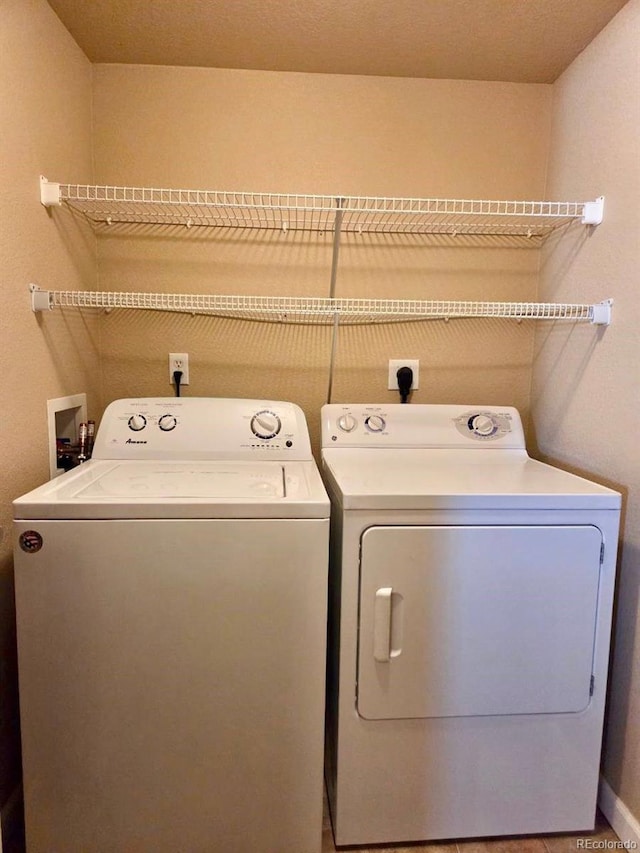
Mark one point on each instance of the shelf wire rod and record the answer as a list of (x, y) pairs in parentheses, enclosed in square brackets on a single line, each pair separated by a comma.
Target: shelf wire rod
[(332, 357), (337, 231)]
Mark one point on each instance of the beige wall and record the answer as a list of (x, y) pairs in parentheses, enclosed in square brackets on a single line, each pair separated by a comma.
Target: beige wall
[(217, 129), (45, 116), (281, 132), (586, 391)]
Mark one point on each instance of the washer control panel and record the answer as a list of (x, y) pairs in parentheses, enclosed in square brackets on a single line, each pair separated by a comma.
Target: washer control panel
[(202, 428), (416, 425)]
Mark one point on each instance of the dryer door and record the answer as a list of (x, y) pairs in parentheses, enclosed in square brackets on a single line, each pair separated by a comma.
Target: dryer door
[(476, 620)]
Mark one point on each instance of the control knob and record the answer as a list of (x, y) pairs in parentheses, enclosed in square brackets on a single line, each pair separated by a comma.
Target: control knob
[(347, 423), (167, 423), (375, 423), (137, 422), (265, 424), (483, 425)]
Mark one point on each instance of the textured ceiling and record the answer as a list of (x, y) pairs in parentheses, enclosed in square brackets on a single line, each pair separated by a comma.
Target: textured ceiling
[(530, 41)]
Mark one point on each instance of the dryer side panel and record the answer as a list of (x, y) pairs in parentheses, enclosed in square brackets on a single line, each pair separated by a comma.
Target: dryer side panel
[(476, 620)]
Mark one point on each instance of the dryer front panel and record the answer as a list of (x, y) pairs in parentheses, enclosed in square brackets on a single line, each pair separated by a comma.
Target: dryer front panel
[(476, 620)]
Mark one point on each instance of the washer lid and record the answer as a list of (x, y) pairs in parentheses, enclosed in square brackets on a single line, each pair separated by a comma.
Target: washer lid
[(189, 480), (450, 479), (180, 489)]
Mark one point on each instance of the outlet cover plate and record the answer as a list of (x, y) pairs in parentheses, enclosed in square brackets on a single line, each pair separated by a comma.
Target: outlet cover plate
[(395, 364), (179, 361)]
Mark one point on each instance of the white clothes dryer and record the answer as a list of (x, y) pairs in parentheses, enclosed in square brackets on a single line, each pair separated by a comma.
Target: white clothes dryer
[(470, 608), (171, 609)]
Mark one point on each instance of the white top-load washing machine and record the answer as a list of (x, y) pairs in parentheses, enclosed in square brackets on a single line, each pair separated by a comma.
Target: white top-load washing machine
[(171, 607), (470, 611)]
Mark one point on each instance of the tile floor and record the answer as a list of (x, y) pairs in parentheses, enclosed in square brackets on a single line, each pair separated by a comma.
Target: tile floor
[(524, 844)]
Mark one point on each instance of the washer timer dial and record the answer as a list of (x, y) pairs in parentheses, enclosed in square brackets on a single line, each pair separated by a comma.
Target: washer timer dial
[(265, 424), (137, 422), (167, 423)]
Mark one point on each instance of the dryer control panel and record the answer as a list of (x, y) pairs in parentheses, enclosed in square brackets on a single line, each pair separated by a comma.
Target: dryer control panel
[(416, 425), (202, 428)]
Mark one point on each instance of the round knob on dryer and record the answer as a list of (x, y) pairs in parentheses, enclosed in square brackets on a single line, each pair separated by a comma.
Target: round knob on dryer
[(375, 423), (483, 425), (137, 422), (347, 423), (167, 423), (265, 424)]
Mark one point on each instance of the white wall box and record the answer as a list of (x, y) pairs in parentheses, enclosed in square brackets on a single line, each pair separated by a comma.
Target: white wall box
[(64, 416)]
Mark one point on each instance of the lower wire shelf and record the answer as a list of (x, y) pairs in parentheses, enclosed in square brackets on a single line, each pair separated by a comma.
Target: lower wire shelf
[(321, 310)]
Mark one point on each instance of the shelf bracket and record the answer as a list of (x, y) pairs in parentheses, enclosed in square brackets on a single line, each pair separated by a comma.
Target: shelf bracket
[(601, 313), (40, 299), (49, 193), (593, 211)]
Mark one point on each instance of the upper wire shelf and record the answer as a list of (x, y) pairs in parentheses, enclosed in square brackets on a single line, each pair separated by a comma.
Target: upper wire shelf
[(319, 309), (293, 212)]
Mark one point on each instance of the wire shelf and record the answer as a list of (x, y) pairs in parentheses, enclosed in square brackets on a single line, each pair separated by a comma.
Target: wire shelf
[(352, 214), (319, 310)]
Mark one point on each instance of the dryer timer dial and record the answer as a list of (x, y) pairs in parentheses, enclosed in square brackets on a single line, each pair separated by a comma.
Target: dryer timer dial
[(483, 426)]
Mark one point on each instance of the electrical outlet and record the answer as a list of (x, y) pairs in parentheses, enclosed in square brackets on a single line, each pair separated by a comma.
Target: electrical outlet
[(179, 361), (394, 366)]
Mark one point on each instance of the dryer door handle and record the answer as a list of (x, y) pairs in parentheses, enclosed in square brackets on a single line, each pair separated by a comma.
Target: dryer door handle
[(382, 624)]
